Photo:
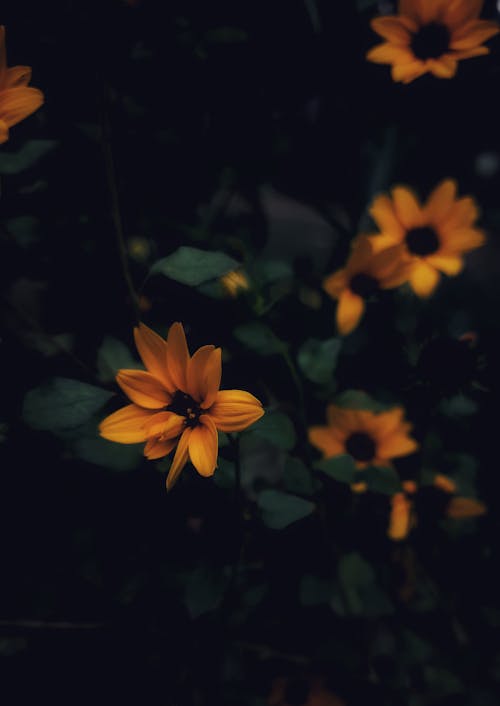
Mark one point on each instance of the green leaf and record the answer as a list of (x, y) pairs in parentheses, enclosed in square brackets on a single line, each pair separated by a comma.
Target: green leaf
[(112, 356), (24, 229), (225, 474), (28, 155), (361, 592), (356, 399), (193, 267), (341, 467), (280, 509), (269, 271), (318, 359), (314, 590), (277, 428), (62, 404), (259, 338), (298, 478), (117, 457), (381, 479), (204, 590)]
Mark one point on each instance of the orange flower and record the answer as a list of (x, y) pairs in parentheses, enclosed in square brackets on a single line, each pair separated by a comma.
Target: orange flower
[(17, 101), (403, 518), (435, 235), (431, 36), (364, 274), (371, 439), (177, 403)]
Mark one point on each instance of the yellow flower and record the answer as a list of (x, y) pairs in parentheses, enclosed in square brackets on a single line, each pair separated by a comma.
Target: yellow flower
[(371, 439), (431, 36), (235, 282), (177, 403), (17, 101), (435, 235), (365, 273)]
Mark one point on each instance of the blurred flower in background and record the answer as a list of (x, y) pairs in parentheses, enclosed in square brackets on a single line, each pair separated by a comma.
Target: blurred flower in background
[(431, 36), (235, 282), (17, 100), (302, 692), (436, 234), (366, 272)]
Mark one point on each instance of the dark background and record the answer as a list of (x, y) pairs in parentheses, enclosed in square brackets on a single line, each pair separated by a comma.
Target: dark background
[(257, 128)]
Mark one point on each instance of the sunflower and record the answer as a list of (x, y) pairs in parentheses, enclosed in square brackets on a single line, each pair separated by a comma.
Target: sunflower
[(17, 101), (364, 274), (435, 235), (372, 439), (431, 36), (403, 517), (177, 404)]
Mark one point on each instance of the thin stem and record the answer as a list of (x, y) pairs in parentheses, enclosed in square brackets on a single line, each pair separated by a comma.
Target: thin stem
[(115, 202)]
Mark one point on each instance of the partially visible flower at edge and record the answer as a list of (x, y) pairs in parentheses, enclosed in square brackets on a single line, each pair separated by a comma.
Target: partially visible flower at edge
[(235, 282), (431, 36), (17, 100), (304, 690), (371, 439), (365, 273), (403, 517), (177, 403), (435, 235)]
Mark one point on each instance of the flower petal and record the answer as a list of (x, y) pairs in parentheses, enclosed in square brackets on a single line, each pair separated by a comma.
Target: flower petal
[(440, 202), (235, 410), (423, 279), (126, 426), (17, 76), (387, 53), (203, 446), (155, 449), (383, 213), (165, 425), (143, 389), (407, 207), (408, 71), (196, 370), (211, 378), (399, 522), (449, 264), (464, 240), (396, 445), (323, 439), (335, 283), (177, 356), (463, 214), (153, 351), (463, 508), (180, 459), (444, 67), (473, 34), (350, 309), (17, 103), (459, 12), (383, 241), (395, 29)]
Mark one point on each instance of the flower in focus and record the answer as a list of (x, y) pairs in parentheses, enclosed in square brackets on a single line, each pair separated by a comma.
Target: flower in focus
[(403, 516), (17, 100), (372, 439), (235, 282), (177, 403), (304, 691), (431, 36), (435, 235), (365, 273)]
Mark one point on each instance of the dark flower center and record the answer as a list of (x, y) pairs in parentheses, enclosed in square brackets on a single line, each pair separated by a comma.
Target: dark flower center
[(297, 692), (422, 241), (185, 406), (431, 41), (363, 285), (360, 446)]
